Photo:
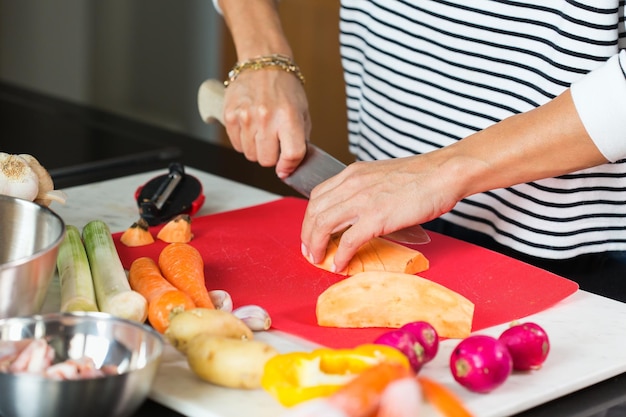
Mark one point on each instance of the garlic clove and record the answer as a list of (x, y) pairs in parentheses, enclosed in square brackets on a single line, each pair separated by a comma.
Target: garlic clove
[(46, 192), (221, 300), (254, 316)]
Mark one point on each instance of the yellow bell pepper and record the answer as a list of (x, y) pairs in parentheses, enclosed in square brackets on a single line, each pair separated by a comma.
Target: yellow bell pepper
[(299, 376)]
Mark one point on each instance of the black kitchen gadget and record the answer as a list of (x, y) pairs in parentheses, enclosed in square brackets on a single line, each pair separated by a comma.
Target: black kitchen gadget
[(166, 196)]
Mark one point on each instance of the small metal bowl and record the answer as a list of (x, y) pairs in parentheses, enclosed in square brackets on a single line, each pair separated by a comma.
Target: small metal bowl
[(30, 235), (135, 349)]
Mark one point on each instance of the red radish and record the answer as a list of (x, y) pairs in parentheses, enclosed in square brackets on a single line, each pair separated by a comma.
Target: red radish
[(406, 343), (528, 345), (481, 363), (426, 335)]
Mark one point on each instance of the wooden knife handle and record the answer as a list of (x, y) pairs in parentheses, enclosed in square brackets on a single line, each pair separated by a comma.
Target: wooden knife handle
[(211, 101)]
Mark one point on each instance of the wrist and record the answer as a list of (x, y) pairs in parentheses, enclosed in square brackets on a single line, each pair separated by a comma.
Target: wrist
[(459, 170), (250, 51), (273, 61)]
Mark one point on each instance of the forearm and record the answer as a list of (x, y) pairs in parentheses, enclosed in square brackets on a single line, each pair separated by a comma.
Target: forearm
[(255, 27), (546, 142)]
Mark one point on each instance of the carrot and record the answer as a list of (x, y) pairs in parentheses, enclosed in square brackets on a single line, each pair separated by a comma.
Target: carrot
[(442, 399), (360, 397), (182, 265), (161, 309), (377, 254), (401, 398), (137, 234), (176, 230), (163, 298)]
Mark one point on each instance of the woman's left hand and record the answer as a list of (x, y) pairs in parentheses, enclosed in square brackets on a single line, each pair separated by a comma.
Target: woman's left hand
[(373, 199)]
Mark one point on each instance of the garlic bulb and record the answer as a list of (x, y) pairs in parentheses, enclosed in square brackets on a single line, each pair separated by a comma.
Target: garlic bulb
[(18, 179), (22, 176)]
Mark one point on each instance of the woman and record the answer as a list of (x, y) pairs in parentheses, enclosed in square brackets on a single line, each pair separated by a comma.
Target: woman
[(503, 120)]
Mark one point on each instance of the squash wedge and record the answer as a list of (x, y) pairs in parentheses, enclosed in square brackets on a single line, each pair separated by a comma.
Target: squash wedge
[(377, 255), (177, 230), (391, 299), (138, 234)]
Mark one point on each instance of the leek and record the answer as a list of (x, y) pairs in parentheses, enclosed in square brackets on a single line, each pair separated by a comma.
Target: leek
[(77, 292), (111, 285)]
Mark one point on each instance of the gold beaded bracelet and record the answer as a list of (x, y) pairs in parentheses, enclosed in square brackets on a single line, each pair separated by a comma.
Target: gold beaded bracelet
[(267, 61)]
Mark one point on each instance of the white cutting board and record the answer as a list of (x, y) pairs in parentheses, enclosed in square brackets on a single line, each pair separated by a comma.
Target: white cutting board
[(587, 334)]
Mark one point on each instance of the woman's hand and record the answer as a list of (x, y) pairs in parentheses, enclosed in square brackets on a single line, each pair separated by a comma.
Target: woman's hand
[(373, 199), (266, 117)]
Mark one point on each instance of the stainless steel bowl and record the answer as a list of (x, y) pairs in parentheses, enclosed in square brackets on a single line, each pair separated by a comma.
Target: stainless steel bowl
[(134, 348), (30, 235)]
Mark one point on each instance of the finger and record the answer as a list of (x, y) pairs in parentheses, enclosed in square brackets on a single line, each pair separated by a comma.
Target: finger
[(327, 213), (293, 139), (310, 223), (231, 124), (267, 149), (318, 213), (351, 240), (265, 139), (292, 153), (318, 226), (247, 134)]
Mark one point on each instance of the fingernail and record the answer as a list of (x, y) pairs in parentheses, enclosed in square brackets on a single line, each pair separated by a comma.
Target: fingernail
[(282, 175), (307, 254), (333, 268)]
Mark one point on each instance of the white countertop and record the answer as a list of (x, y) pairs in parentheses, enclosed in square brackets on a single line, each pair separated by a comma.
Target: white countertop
[(587, 332)]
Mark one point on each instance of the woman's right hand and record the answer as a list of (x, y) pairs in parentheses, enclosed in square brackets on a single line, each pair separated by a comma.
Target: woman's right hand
[(267, 118)]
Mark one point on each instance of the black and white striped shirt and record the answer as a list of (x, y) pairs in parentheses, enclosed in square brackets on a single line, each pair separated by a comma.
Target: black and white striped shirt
[(423, 74)]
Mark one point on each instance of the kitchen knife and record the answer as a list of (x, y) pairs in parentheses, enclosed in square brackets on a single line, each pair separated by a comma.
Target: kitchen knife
[(316, 167)]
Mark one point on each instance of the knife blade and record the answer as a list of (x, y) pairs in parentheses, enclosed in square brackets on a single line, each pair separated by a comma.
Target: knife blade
[(316, 167)]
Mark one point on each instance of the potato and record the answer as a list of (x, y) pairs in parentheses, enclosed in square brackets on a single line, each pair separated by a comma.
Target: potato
[(185, 325), (233, 363)]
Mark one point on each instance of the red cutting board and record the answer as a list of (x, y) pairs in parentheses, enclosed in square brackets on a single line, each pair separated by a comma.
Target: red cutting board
[(254, 254)]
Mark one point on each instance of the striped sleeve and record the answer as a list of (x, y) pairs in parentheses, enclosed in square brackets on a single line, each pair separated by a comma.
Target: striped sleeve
[(600, 99)]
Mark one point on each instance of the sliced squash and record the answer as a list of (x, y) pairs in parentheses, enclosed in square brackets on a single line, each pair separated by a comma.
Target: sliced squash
[(138, 234), (392, 299), (177, 230), (377, 255)]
